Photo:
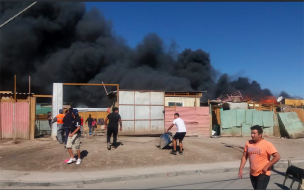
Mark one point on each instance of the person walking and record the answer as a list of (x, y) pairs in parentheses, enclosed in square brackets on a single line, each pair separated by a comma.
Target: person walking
[(74, 138), (112, 127), (259, 151), (89, 121), (60, 128), (180, 134), (67, 122)]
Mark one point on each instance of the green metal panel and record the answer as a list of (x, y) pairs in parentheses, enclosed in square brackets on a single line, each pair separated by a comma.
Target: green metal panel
[(267, 131), (291, 124), (249, 114), (257, 118), (246, 131), (231, 132), (240, 116), (276, 120), (43, 110), (228, 118), (268, 119)]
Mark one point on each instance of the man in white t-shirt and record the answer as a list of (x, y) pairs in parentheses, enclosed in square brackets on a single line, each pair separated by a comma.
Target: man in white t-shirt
[(180, 134)]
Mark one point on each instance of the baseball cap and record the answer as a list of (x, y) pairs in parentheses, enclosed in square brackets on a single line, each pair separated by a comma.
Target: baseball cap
[(75, 111)]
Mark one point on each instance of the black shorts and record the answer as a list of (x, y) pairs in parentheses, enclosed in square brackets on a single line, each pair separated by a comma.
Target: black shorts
[(179, 135)]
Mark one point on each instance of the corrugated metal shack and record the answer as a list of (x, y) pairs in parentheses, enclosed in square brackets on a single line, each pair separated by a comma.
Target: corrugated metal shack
[(146, 112)]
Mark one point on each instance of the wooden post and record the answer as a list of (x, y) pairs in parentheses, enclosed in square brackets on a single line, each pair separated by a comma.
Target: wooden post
[(33, 116), (289, 163), (15, 88)]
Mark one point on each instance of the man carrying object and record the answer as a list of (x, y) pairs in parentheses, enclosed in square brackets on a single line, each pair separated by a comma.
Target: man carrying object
[(180, 134)]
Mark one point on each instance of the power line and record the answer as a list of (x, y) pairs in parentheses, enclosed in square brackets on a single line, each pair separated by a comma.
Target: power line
[(18, 14)]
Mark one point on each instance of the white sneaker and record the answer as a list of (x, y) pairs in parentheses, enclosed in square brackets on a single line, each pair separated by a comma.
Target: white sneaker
[(71, 161), (78, 161)]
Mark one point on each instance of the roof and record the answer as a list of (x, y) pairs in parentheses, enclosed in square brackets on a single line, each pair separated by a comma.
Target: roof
[(91, 109), (184, 91), (17, 93), (114, 93)]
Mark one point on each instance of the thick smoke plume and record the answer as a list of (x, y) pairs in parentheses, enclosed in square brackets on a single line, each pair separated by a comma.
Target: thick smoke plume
[(63, 42)]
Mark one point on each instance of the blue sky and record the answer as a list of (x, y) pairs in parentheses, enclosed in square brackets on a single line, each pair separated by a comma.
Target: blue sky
[(262, 41)]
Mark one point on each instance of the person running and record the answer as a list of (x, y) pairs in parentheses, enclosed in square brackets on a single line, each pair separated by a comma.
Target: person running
[(112, 127), (180, 134), (259, 151), (74, 138), (60, 128), (67, 122), (89, 121)]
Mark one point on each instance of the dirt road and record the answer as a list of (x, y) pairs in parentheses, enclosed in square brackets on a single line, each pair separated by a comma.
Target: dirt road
[(43, 155)]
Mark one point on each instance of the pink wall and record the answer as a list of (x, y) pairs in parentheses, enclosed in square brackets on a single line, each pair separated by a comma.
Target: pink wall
[(197, 119), (15, 120)]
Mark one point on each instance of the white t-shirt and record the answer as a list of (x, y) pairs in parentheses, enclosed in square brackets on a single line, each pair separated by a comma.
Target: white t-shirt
[(180, 124)]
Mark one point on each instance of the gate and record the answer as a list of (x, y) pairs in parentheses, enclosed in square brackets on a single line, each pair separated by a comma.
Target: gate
[(14, 120)]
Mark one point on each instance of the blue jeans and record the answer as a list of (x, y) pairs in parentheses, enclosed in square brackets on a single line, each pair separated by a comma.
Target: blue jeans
[(67, 132), (260, 182), (90, 129)]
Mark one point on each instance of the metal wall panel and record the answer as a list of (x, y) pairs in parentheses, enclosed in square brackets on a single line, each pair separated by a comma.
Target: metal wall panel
[(22, 120), (142, 98), (197, 119), (157, 112), (203, 119), (126, 97), (142, 127), (157, 98), (157, 126), (6, 112), (142, 112), (15, 120), (291, 123), (127, 128), (126, 112)]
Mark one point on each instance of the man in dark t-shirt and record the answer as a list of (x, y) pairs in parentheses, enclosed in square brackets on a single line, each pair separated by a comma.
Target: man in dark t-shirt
[(90, 121), (112, 127), (74, 138)]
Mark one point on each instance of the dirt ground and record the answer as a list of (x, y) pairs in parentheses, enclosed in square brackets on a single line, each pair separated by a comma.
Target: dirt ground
[(48, 155)]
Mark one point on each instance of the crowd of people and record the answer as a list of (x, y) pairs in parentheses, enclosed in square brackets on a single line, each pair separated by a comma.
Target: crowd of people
[(70, 128), (257, 150)]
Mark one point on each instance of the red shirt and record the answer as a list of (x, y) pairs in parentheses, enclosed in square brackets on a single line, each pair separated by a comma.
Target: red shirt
[(81, 121)]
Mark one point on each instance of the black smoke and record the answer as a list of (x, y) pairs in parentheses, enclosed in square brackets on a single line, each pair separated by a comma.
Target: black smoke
[(63, 42)]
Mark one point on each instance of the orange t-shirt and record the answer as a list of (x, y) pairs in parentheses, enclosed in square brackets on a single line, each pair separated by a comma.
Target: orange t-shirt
[(259, 155)]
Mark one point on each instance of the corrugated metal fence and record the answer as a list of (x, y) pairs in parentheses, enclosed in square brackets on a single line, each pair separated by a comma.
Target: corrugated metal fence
[(15, 120), (237, 122)]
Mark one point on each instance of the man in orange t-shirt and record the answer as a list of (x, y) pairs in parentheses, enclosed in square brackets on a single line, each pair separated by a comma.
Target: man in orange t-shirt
[(259, 151)]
